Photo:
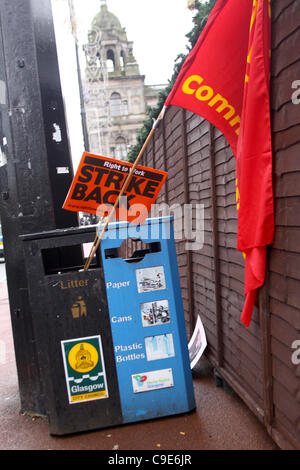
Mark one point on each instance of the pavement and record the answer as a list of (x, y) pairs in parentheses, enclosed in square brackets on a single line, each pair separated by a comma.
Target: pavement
[(221, 420)]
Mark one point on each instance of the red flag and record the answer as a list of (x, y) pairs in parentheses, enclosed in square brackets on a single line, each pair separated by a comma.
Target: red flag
[(225, 79)]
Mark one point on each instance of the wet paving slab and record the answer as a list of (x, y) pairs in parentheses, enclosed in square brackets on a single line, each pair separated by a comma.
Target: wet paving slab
[(221, 420)]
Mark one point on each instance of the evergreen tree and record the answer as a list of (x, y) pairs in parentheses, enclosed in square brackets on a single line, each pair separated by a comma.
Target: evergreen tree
[(202, 12)]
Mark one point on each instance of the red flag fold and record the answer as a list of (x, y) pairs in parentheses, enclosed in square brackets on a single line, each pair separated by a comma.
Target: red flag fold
[(225, 79)]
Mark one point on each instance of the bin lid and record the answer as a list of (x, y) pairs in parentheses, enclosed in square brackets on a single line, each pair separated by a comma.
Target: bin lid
[(150, 221), (59, 232), (92, 228)]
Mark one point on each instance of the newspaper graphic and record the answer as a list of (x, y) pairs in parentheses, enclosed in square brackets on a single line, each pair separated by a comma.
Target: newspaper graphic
[(150, 279), (197, 343)]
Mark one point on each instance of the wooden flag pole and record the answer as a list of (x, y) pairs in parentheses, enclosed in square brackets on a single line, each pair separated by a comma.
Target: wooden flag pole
[(96, 245), (96, 237)]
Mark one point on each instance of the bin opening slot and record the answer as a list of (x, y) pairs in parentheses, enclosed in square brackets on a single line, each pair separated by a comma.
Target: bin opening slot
[(133, 250), (68, 258)]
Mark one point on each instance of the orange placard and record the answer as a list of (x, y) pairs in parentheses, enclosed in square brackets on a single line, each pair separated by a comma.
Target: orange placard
[(99, 180)]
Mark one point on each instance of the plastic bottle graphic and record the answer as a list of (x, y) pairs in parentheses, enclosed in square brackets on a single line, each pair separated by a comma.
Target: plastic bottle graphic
[(167, 345), (154, 343)]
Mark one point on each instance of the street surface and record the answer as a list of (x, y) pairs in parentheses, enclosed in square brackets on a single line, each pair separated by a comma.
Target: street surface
[(221, 421)]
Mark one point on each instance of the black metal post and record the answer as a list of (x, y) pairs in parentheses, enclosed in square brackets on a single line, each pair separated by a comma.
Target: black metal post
[(36, 170)]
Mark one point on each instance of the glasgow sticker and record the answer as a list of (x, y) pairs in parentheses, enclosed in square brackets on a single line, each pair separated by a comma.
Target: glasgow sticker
[(84, 369)]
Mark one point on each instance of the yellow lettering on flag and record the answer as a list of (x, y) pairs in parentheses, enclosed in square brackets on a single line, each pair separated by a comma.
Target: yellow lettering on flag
[(254, 13), (250, 55), (253, 19), (186, 86), (237, 194), (214, 100)]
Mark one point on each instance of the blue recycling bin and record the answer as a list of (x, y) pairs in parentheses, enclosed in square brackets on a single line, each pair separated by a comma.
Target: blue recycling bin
[(147, 321)]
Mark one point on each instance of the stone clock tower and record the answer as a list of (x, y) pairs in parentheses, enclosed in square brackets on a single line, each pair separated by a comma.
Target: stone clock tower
[(116, 97)]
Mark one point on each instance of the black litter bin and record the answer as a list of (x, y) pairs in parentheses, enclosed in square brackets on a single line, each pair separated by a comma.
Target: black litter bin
[(72, 333)]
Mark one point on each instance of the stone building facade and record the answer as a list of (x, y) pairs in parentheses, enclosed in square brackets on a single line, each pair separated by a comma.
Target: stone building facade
[(115, 94)]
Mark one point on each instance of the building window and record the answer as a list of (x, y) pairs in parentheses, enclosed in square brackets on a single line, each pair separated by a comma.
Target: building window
[(115, 104), (125, 108), (122, 61), (118, 107), (110, 60), (121, 149)]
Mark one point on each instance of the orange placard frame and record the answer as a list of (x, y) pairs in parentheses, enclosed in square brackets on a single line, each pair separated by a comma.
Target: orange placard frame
[(99, 180)]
